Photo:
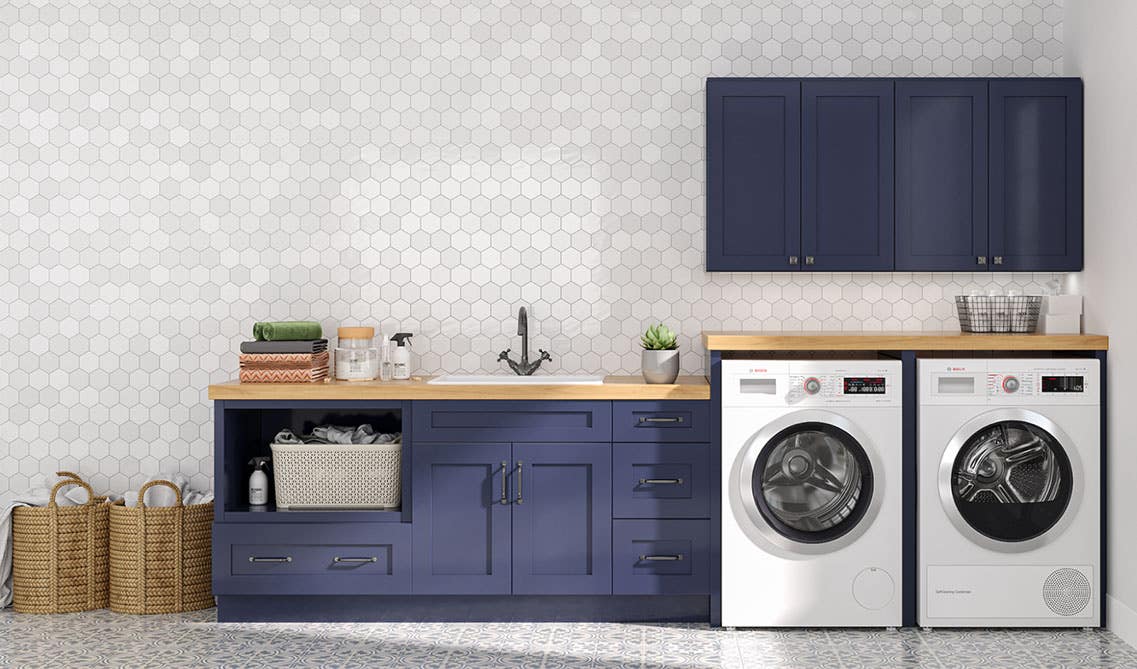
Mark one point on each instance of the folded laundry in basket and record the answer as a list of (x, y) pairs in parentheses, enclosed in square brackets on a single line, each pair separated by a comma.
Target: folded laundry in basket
[(336, 434)]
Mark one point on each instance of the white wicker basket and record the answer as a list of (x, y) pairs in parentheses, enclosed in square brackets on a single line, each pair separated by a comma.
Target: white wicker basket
[(337, 476)]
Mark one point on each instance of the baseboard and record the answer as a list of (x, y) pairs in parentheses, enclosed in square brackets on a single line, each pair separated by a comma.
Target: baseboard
[(1122, 619)]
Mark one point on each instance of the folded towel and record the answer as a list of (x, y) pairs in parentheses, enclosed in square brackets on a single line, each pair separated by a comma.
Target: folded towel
[(299, 346), (287, 331), (315, 375), (284, 360)]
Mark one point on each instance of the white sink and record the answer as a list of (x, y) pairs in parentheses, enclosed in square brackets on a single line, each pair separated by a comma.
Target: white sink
[(499, 379)]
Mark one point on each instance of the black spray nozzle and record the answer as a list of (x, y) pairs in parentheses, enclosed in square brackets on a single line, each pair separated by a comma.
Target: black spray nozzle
[(260, 462), (401, 338)]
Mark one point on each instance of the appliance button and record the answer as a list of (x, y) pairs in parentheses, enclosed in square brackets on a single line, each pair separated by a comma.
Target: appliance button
[(812, 385), (1010, 384)]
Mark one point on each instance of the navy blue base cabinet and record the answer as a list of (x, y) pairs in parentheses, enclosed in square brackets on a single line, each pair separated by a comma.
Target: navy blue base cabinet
[(512, 510), (928, 175)]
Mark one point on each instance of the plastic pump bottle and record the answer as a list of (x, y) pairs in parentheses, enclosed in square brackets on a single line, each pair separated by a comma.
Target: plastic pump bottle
[(401, 356), (258, 482)]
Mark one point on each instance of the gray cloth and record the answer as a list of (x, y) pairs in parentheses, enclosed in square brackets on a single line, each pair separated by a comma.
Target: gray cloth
[(336, 434), (301, 346)]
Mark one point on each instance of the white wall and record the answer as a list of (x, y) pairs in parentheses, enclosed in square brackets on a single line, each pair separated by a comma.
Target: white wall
[(173, 171), (1100, 48)]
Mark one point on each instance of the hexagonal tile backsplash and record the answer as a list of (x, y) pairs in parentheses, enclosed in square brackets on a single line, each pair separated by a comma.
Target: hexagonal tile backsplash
[(173, 171)]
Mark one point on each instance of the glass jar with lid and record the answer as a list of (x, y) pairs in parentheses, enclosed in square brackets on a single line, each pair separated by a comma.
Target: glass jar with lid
[(357, 356)]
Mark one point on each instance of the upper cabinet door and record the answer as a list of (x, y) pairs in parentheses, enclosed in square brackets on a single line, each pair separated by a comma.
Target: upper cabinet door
[(562, 519), (461, 530), (1036, 174), (847, 175), (753, 174), (941, 175)]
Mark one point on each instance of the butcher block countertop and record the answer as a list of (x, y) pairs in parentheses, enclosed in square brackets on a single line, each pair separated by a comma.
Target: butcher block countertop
[(742, 340), (613, 388)]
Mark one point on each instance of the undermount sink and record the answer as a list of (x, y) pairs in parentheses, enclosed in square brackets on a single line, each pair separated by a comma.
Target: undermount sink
[(496, 379)]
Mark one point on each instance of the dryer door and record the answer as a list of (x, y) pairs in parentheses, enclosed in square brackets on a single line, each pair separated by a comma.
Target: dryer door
[(806, 485), (1009, 480)]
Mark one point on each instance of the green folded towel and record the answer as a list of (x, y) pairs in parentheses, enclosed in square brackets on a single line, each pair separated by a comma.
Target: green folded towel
[(287, 331)]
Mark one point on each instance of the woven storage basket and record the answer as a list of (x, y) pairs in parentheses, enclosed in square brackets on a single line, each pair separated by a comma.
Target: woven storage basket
[(161, 556), (59, 554), (337, 476)]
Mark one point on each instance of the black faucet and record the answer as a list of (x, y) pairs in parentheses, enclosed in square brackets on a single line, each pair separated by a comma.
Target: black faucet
[(524, 368)]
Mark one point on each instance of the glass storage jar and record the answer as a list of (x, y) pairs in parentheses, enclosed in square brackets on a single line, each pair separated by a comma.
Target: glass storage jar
[(357, 357)]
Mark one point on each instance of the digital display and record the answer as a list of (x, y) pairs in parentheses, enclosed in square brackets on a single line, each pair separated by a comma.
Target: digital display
[(1063, 384), (864, 385)]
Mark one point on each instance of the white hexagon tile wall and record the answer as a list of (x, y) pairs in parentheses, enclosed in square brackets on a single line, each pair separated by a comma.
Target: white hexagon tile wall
[(173, 171)]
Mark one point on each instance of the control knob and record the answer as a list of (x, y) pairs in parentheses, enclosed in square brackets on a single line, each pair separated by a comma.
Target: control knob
[(812, 385), (1010, 384)]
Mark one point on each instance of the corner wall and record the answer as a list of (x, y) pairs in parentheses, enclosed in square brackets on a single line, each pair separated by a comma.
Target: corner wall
[(1100, 49)]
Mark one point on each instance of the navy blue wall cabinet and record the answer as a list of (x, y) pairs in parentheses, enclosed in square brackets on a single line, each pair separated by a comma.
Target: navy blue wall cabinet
[(894, 174), (847, 175), (1036, 174), (753, 174), (941, 175)]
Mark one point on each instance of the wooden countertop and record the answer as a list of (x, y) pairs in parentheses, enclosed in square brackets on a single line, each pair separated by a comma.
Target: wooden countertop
[(899, 341), (613, 388)]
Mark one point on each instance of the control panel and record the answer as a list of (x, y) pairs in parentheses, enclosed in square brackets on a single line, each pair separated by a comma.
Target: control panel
[(1011, 382), (816, 383), (839, 386)]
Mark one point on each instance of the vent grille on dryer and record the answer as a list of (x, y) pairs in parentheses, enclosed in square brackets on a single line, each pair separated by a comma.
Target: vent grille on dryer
[(1066, 591)]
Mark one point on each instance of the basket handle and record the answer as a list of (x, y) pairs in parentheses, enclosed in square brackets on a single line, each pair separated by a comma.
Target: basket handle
[(69, 475), (151, 484), (75, 481)]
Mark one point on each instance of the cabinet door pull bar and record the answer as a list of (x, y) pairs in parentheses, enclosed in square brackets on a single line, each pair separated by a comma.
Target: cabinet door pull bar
[(356, 559), (661, 558), (504, 491), (255, 558), (519, 500), (661, 419), (661, 481)]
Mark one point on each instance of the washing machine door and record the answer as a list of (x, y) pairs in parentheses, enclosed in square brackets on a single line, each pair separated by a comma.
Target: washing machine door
[(806, 484), (1010, 480)]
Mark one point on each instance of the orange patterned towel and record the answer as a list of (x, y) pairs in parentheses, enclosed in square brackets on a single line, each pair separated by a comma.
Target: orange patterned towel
[(315, 375), (284, 360)]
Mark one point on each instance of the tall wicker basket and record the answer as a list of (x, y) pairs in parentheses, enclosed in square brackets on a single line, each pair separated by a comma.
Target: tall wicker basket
[(59, 554), (161, 556)]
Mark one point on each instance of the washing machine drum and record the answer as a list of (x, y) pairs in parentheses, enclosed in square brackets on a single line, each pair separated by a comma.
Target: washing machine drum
[(1011, 481), (812, 482)]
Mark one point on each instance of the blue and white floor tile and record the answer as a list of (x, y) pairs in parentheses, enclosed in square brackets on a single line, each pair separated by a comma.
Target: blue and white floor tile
[(104, 639)]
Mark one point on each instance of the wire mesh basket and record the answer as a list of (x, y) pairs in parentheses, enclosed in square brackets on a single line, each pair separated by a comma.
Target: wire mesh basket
[(998, 313)]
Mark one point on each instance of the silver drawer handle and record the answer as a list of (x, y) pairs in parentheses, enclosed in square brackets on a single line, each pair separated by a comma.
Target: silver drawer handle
[(356, 559), (661, 419), (253, 558), (661, 481), (661, 558)]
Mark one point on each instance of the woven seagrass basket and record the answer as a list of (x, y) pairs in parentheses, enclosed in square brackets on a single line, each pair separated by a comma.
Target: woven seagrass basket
[(59, 554), (161, 556)]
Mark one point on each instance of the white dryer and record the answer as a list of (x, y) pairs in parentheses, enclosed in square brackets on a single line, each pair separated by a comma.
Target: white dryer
[(1009, 493), (811, 504)]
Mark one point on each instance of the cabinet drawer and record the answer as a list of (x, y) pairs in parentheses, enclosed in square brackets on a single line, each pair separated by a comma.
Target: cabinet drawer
[(661, 421), (661, 557), (496, 420), (312, 559), (661, 481)]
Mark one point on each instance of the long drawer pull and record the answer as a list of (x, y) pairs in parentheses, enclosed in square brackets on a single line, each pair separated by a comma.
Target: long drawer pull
[(661, 419), (661, 481), (254, 558), (504, 492), (356, 559), (662, 558)]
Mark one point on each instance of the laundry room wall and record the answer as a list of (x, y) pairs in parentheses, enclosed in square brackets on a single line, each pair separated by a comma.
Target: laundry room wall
[(1100, 49), (175, 171)]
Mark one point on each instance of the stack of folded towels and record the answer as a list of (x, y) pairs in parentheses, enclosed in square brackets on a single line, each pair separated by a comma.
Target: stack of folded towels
[(285, 352)]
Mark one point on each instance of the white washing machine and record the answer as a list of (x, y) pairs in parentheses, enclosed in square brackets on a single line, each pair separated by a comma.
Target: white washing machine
[(811, 512), (1009, 493)]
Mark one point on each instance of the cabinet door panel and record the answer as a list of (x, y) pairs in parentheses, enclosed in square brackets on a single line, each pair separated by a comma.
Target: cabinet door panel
[(1036, 174), (753, 174), (562, 519), (847, 175), (941, 175), (461, 527)]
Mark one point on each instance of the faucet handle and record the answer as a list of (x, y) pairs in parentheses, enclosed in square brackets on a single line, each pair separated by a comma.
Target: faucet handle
[(504, 355), (545, 355)]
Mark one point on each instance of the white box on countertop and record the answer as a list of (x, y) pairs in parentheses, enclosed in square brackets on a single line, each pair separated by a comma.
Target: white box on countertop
[(1060, 323), (1063, 304)]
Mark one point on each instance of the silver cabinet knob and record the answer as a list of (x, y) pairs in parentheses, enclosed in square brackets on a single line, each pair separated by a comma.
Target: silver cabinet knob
[(981, 260), (793, 260), (809, 260), (998, 260)]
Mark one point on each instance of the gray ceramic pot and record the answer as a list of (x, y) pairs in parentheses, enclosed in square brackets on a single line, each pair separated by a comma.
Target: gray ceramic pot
[(661, 366)]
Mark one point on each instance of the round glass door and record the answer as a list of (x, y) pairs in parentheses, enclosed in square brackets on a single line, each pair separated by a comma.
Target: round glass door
[(812, 482), (1011, 481)]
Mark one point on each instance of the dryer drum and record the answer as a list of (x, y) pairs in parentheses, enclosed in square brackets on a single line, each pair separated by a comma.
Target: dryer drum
[(1012, 481)]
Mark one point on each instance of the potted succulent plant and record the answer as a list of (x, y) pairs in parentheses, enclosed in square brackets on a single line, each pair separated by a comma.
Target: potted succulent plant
[(661, 354)]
